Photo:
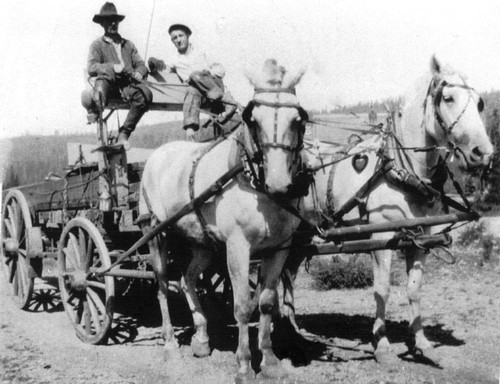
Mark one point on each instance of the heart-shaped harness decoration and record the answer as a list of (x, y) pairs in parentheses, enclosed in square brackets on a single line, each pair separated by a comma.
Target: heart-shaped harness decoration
[(359, 162)]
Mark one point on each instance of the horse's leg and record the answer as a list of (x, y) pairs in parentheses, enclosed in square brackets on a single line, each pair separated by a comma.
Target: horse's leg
[(200, 261), (415, 260), (271, 267), (381, 283), (238, 263), (288, 277), (159, 262)]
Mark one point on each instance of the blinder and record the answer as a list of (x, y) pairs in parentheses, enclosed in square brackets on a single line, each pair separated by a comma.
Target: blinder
[(247, 113), (480, 105)]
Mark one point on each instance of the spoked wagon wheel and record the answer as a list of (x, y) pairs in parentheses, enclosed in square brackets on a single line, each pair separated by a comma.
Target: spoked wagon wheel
[(88, 300), (16, 225)]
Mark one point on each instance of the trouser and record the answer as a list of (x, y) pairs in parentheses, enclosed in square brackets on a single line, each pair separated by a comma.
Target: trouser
[(138, 96), (203, 89)]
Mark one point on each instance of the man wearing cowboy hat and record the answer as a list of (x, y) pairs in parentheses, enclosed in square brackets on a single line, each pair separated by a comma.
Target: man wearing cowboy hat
[(203, 75), (118, 69)]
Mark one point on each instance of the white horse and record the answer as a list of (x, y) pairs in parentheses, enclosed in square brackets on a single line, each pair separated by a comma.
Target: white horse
[(246, 221), (443, 111)]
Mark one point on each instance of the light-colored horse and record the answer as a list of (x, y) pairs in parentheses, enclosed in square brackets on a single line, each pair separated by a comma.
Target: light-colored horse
[(246, 221), (443, 111)]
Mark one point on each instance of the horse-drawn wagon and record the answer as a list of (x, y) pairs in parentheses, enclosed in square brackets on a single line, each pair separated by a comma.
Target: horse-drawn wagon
[(91, 222)]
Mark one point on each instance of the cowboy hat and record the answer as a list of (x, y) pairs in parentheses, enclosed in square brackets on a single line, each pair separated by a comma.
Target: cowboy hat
[(181, 27), (108, 11)]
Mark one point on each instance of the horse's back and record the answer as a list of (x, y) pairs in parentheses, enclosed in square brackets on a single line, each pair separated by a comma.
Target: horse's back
[(165, 179)]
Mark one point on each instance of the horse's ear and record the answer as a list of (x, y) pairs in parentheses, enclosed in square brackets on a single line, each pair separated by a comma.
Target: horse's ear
[(247, 114), (435, 65), (252, 77), (292, 79)]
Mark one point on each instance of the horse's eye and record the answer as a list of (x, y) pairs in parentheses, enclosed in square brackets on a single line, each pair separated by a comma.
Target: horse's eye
[(448, 99)]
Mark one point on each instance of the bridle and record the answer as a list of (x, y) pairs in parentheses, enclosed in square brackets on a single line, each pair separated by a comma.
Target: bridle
[(277, 104), (435, 90)]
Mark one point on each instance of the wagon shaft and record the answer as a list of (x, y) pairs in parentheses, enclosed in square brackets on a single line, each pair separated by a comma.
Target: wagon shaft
[(358, 246), (398, 225)]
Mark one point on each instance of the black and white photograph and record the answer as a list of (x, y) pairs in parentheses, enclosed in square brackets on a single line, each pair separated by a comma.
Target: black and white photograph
[(250, 192)]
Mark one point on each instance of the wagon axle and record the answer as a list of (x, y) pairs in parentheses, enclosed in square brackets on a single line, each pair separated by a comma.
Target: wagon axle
[(77, 280), (11, 247)]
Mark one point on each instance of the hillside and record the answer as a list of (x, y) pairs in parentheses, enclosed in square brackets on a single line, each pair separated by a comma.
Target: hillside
[(30, 158)]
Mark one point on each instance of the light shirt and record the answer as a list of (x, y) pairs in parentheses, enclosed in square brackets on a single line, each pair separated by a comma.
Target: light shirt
[(117, 46), (185, 63)]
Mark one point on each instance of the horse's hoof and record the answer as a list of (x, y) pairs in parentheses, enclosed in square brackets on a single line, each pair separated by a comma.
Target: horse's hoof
[(171, 352), (245, 378), (273, 372), (200, 349), (428, 354), (386, 356)]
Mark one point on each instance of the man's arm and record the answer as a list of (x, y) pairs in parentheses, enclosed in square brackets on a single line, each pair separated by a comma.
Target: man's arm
[(137, 62), (95, 67)]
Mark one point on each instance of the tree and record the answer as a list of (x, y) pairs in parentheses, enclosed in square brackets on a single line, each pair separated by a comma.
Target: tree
[(11, 178)]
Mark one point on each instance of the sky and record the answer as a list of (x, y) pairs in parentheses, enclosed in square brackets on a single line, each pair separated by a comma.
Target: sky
[(353, 50)]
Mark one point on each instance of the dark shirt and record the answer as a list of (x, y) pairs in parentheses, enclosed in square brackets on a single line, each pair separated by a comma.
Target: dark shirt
[(102, 56)]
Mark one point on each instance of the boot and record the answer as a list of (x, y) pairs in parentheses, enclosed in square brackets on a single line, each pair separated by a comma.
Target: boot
[(122, 139)]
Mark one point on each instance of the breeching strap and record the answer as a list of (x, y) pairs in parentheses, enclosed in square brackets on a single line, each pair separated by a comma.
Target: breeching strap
[(214, 189)]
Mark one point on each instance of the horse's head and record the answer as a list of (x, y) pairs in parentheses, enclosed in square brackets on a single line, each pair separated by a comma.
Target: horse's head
[(454, 108), (276, 123)]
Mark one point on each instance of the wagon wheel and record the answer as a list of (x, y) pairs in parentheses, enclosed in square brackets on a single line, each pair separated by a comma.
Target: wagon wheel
[(16, 225), (216, 285), (88, 300)]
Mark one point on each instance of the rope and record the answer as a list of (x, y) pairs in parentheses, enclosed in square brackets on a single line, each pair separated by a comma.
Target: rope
[(149, 31)]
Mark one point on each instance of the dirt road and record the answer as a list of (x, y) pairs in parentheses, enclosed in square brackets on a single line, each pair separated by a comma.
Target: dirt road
[(461, 316)]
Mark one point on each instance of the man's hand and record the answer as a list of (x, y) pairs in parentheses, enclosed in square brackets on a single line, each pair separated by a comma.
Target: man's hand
[(156, 65), (137, 75), (118, 68)]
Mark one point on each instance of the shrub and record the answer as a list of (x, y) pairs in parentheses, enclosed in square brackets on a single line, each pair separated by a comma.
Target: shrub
[(475, 236), (335, 273)]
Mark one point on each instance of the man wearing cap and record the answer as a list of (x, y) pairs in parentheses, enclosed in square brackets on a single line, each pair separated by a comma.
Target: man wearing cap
[(194, 68), (118, 69)]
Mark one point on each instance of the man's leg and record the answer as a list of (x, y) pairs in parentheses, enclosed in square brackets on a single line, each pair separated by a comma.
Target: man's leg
[(191, 110), (139, 97)]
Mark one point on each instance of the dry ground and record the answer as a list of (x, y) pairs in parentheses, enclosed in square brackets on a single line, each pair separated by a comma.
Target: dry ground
[(461, 316)]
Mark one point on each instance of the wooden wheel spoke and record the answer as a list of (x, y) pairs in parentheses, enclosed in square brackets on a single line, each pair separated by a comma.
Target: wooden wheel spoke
[(23, 276), (13, 269), (70, 298), (82, 244), (90, 249), (22, 241), (70, 257), (79, 311), (74, 247), (96, 284), (97, 300), (82, 247), (13, 220), (94, 314), (86, 319), (10, 228)]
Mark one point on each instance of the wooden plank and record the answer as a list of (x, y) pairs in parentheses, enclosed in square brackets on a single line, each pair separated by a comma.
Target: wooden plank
[(134, 155)]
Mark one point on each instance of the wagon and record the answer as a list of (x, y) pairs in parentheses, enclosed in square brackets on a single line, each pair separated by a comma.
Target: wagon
[(88, 222)]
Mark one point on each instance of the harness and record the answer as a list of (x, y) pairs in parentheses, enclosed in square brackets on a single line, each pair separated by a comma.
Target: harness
[(435, 90), (255, 158), (250, 161)]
